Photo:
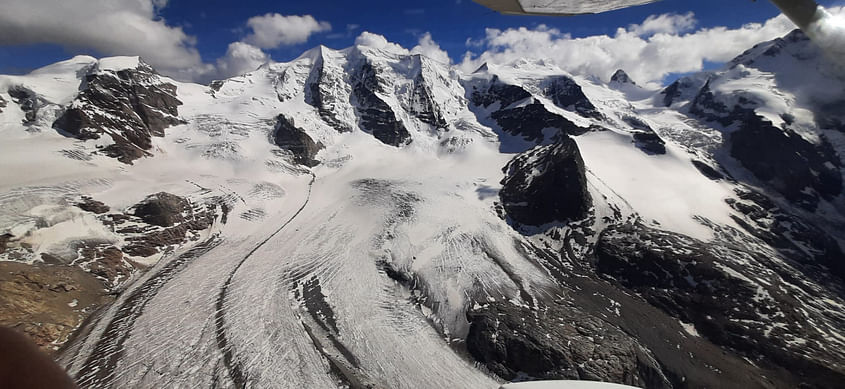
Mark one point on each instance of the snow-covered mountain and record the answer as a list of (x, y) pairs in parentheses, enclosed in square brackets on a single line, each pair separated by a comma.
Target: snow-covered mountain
[(372, 218)]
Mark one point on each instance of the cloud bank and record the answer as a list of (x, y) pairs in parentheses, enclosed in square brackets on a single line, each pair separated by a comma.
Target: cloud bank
[(661, 45), (135, 27)]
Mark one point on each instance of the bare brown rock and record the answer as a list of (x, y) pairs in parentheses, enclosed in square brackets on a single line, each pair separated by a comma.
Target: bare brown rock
[(47, 303)]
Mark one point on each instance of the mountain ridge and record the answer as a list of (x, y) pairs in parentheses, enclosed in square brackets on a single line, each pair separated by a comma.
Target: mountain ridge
[(438, 202)]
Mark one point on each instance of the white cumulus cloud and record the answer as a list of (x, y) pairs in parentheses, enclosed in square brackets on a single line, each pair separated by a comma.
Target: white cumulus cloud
[(377, 41), (274, 30), (240, 58), (661, 45), (111, 27), (429, 48)]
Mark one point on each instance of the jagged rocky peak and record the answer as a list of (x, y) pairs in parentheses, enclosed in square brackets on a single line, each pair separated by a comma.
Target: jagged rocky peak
[(424, 105), (297, 141), (376, 115), (682, 90), (620, 77), (796, 44), (329, 91), (125, 99), (567, 94), (546, 184), (519, 113)]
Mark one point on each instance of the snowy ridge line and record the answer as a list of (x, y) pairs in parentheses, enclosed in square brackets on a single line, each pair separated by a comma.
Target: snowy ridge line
[(101, 367), (235, 370)]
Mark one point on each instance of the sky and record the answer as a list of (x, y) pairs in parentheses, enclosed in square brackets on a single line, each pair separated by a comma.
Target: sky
[(202, 40)]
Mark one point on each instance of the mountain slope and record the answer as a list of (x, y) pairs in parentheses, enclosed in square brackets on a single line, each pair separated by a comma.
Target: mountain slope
[(372, 218)]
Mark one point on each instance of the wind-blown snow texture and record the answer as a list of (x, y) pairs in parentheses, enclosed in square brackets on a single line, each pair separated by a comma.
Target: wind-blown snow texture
[(369, 218)]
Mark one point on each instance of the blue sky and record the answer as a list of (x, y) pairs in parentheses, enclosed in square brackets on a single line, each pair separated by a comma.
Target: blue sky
[(214, 24)]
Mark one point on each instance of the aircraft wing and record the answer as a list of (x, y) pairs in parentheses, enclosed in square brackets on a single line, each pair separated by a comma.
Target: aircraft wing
[(558, 7)]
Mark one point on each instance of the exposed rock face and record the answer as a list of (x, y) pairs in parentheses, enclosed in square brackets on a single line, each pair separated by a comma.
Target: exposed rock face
[(376, 115), (546, 184), (294, 139), (4, 240), (716, 288), (798, 240), (650, 142), (529, 119), (47, 302), (131, 106), (788, 162), (777, 156), (93, 206), (622, 78), (2, 104), (423, 104), (567, 94), (708, 170), (162, 209), (558, 342), (644, 136), (322, 94), (28, 100), (497, 91)]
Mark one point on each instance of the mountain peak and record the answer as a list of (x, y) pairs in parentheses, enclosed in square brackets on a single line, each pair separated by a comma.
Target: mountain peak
[(120, 63), (622, 78)]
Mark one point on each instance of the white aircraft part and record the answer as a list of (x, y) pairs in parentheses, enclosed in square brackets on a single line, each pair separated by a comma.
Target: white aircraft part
[(558, 7)]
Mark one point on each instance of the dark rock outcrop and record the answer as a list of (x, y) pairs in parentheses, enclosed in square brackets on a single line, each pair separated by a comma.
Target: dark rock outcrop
[(798, 240), (683, 88), (376, 115), (93, 206), (708, 171), (28, 100), (529, 119), (778, 156), (567, 94), (546, 184), (650, 142), (4, 241), (162, 209), (671, 92), (175, 214), (719, 290), (2, 104), (296, 140), (131, 106), (320, 94), (644, 136), (622, 78), (558, 342), (787, 161), (423, 105), (499, 92)]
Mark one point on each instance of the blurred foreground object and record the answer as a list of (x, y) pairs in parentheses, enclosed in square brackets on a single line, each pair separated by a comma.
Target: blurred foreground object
[(558, 7), (824, 29), (24, 366)]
